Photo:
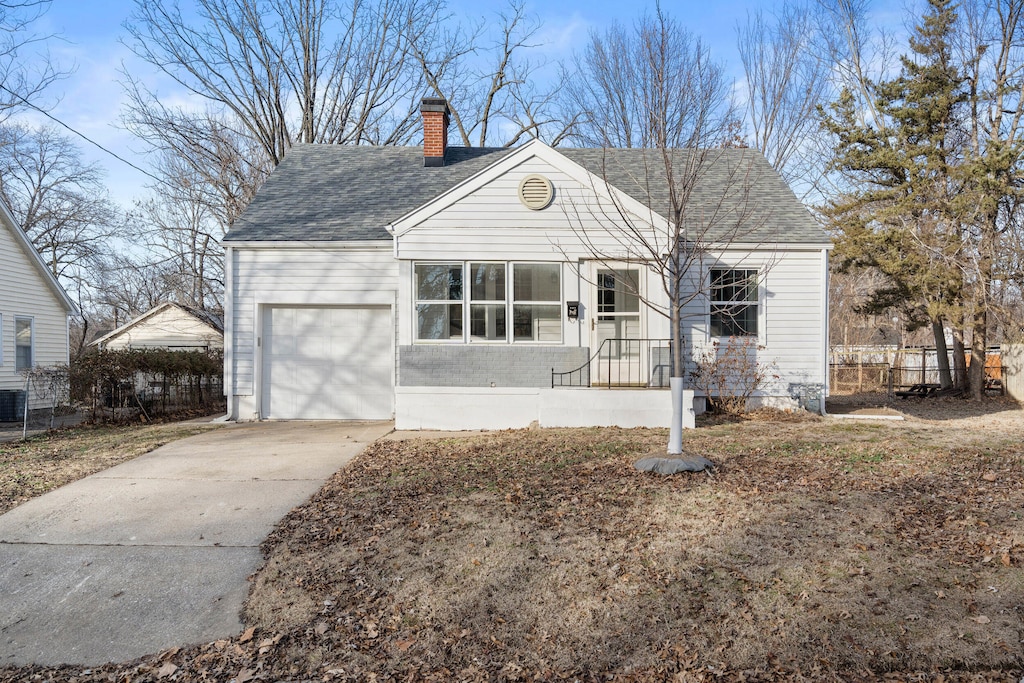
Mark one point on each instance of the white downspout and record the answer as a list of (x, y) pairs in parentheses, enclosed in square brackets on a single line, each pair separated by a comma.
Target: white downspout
[(825, 278)]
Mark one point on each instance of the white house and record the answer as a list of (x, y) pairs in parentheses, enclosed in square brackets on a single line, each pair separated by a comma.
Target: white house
[(167, 326), (456, 288), (34, 310)]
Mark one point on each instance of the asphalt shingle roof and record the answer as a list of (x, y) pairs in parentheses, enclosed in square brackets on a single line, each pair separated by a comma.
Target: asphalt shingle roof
[(736, 197), (348, 193)]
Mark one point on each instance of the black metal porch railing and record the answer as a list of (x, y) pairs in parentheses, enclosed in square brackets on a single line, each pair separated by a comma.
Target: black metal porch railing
[(622, 363)]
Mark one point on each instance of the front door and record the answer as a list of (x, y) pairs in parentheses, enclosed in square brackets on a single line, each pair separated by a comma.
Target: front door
[(616, 327)]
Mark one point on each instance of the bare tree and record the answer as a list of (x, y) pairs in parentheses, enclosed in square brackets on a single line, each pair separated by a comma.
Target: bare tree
[(59, 200), (489, 81), (656, 87), (859, 53), (63, 206), (181, 227), (289, 70), (787, 77), (128, 287), (652, 85), (990, 49), (24, 76)]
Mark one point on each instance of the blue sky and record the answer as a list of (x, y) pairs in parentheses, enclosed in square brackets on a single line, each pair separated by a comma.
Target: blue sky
[(90, 100)]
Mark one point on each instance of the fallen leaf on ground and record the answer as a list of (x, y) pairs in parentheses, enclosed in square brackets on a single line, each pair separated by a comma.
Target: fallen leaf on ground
[(166, 670)]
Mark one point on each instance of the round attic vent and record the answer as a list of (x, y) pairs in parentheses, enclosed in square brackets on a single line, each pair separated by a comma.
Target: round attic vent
[(535, 192)]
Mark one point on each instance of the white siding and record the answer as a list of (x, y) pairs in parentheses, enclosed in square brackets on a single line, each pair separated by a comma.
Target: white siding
[(322, 275), (491, 223), (25, 293), (791, 314), (168, 328)]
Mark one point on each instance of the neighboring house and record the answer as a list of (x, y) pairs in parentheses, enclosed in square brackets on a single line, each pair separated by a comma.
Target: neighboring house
[(34, 311), (445, 287), (167, 326)]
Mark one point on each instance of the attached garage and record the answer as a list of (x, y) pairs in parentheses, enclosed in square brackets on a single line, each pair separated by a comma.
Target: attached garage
[(327, 363)]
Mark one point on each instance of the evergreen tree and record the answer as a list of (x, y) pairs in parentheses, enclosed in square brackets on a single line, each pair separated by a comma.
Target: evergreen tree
[(899, 216)]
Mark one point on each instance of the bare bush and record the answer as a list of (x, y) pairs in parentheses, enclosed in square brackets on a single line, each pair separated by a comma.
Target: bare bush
[(729, 373)]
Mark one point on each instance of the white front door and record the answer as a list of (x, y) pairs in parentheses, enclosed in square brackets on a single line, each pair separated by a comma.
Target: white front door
[(617, 326), (327, 363)]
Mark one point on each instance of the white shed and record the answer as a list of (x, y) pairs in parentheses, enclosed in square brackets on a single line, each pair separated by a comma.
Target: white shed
[(167, 326)]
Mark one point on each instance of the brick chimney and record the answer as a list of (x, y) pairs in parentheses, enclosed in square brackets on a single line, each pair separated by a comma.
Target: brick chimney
[(435, 130)]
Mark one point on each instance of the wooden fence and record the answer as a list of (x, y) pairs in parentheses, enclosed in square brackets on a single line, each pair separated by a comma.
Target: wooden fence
[(885, 368), (1013, 370)]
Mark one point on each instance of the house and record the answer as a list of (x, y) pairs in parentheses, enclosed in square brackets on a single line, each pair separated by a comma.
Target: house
[(34, 312), (167, 326), (454, 288)]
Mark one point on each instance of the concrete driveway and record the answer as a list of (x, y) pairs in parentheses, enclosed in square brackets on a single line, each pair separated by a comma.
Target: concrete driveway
[(156, 552)]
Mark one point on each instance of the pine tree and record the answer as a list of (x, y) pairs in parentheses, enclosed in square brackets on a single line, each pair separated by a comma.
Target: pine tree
[(899, 218)]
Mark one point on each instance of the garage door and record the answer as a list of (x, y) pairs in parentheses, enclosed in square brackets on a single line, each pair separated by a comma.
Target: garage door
[(327, 363)]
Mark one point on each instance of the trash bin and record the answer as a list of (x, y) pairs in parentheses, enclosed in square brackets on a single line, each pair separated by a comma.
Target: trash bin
[(12, 405)]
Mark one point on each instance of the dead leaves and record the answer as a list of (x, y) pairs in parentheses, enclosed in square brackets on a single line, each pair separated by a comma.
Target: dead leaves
[(166, 670), (866, 542)]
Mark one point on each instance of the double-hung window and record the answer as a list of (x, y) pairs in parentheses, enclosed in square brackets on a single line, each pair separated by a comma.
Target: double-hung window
[(537, 307), (502, 302), (23, 344), (439, 306), (734, 302), (487, 306)]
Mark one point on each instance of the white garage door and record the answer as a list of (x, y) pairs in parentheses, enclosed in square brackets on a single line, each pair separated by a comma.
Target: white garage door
[(327, 363)]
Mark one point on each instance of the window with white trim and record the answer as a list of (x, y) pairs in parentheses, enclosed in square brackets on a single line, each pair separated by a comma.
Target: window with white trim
[(22, 344), (439, 301), (487, 305), (537, 302), (734, 302), (527, 295)]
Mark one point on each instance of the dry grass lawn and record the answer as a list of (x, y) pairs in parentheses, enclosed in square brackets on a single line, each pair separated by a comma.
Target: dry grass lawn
[(819, 549), (42, 463)]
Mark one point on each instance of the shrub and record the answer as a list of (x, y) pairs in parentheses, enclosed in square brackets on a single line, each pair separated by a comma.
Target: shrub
[(130, 382), (729, 373)]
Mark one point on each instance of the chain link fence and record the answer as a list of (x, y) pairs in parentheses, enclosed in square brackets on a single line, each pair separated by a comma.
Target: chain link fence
[(886, 370)]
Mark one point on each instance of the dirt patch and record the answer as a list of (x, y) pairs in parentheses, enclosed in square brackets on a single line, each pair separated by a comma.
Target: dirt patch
[(818, 550), (934, 409), (42, 463)]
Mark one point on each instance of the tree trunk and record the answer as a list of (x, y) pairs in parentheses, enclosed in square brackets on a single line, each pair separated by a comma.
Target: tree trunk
[(959, 360), (976, 376), (942, 354), (675, 435)]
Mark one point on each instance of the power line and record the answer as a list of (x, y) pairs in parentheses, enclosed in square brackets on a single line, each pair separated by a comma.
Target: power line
[(81, 135)]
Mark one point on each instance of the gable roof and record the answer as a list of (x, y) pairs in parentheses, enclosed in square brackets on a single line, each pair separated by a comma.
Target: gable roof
[(205, 317), (7, 218), (733, 182), (350, 193)]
